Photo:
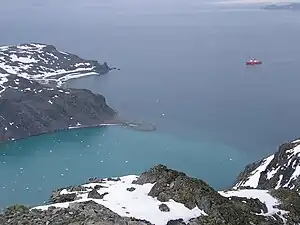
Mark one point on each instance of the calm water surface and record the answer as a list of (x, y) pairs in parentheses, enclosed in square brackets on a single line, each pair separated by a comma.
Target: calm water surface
[(182, 68)]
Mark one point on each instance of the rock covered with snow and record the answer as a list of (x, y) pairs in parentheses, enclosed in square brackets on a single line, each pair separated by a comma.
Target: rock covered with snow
[(45, 63), (87, 213), (32, 101), (280, 170), (30, 108), (160, 196)]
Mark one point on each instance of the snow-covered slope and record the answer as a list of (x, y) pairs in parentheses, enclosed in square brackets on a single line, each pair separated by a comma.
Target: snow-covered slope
[(164, 196), (281, 169), (45, 63), (130, 200), (263, 195)]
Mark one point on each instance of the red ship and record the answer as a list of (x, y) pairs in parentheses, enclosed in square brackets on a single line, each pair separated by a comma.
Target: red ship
[(253, 62)]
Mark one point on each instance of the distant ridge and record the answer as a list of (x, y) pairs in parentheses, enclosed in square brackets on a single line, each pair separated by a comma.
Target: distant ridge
[(283, 6)]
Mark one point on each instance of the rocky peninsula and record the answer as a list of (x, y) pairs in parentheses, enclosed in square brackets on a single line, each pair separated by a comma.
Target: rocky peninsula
[(32, 101)]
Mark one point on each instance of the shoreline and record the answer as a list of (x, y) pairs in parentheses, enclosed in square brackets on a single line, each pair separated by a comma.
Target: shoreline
[(253, 2), (139, 126)]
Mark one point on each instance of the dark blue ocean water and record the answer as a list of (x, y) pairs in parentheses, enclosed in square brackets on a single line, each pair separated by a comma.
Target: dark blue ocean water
[(182, 68)]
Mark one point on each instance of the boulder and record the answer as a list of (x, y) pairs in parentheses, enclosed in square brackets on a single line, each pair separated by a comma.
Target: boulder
[(164, 208)]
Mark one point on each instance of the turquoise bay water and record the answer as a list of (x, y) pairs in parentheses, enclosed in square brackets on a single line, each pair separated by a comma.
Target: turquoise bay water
[(31, 168), (183, 59)]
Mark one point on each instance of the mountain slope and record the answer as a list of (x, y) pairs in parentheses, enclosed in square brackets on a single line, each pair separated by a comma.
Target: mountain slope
[(280, 170), (29, 108), (164, 196)]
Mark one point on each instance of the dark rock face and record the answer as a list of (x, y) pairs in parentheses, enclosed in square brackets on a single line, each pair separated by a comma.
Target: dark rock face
[(29, 108), (279, 172), (95, 180), (63, 198), (156, 173), (114, 179), (176, 222), (131, 189), (164, 208), (255, 205), (76, 188), (94, 194), (290, 201), (88, 213), (171, 184)]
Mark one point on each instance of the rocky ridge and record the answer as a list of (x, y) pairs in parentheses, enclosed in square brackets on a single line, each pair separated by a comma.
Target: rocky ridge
[(279, 170), (160, 196)]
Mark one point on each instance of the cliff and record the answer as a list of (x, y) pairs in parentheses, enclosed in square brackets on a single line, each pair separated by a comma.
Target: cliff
[(279, 170), (31, 100)]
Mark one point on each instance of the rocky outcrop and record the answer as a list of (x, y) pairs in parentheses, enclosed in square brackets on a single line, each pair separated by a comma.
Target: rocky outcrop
[(289, 202), (88, 213), (172, 192), (281, 169), (170, 184), (29, 108)]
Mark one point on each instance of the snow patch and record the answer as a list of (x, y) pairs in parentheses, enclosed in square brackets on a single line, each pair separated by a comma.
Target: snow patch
[(279, 181), (135, 204), (253, 179), (15, 58), (272, 173), (36, 62)]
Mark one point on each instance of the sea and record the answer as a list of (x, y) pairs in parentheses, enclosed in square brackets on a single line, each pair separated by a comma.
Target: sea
[(182, 68)]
